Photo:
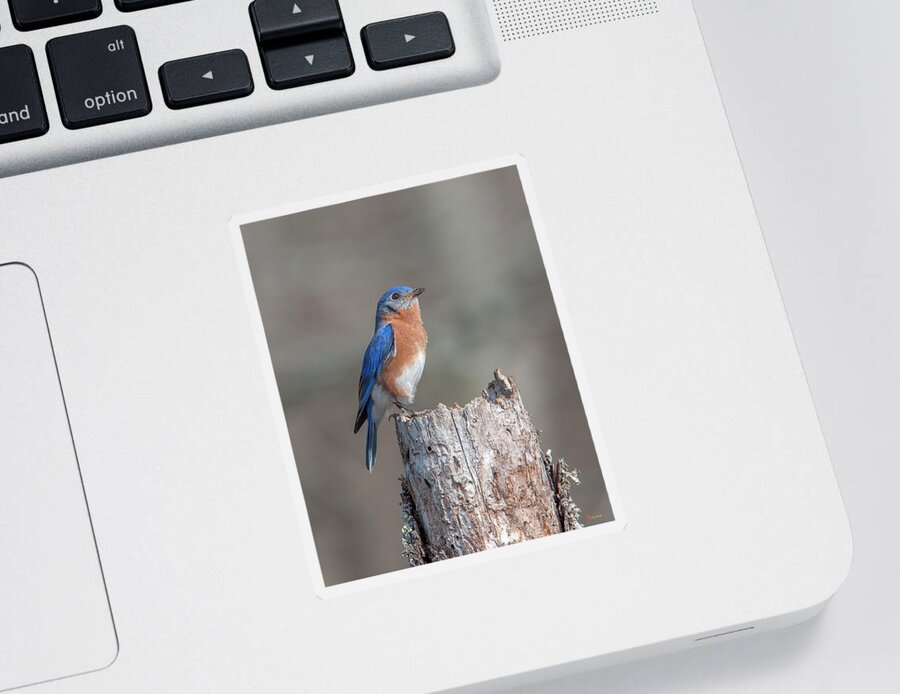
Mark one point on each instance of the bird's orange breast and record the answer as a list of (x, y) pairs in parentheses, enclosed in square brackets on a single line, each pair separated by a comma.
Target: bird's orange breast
[(410, 340)]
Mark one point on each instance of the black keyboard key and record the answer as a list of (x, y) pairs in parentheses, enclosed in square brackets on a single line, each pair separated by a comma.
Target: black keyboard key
[(37, 14), (296, 64), (22, 111), (98, 77), (408, 40), (283, 19), (131, 5), (205, 79)]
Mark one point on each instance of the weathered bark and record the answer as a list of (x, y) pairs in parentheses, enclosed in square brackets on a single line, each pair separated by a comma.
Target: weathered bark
[(475, 477)]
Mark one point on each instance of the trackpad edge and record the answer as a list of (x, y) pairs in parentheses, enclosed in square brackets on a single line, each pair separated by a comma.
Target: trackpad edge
[(55, 618)]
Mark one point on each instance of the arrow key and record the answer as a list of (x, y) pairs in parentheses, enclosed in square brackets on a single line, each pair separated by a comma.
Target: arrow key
[(408, 40), (274, 20), (205, 79), (296, 64)]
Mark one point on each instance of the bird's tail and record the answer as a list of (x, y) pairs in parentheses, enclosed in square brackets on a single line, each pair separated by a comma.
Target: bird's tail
[(371, 440)]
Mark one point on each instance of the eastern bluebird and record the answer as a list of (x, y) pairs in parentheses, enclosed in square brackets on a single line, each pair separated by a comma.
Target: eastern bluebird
[(393, 363)]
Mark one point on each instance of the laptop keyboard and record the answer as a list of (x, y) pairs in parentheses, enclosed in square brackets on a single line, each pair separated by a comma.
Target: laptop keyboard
[(103, 76)]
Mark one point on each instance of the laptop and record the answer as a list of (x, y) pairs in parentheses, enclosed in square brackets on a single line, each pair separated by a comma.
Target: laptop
[(398, 346)]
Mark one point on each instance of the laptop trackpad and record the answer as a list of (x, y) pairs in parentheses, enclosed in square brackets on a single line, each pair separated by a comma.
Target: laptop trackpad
[(55, 619)]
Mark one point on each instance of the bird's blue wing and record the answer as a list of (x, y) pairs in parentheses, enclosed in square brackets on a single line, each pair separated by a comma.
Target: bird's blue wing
[(380, 348)]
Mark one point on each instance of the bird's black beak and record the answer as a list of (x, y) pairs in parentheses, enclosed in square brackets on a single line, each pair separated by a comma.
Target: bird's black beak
[(415, 292)]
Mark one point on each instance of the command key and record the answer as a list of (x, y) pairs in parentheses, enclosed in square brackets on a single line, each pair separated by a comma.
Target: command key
[(22, 111)]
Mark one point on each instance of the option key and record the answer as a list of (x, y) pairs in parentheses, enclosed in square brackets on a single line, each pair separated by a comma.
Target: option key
[(99, 77)]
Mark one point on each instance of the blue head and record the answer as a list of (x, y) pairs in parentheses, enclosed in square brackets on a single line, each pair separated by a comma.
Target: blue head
[(395, 300)]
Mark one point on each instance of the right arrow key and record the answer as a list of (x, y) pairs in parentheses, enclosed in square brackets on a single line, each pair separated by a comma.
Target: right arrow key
[(408, 40)]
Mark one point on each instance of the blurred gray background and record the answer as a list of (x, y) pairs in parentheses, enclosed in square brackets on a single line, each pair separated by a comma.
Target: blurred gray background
[(318, 276)]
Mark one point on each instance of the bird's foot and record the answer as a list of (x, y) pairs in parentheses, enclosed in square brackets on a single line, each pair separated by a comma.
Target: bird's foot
[(403, 408)]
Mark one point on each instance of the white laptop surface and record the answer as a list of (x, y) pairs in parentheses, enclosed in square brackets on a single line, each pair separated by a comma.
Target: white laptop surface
[(187, 298)]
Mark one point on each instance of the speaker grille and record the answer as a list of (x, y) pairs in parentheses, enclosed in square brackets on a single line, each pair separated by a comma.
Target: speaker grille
[(521, 19)]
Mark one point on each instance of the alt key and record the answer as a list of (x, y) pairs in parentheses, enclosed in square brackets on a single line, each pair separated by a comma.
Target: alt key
[(98, 76)]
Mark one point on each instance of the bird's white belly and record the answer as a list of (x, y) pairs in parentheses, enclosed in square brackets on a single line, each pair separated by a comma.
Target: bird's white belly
[(409, 377), (382, 401)]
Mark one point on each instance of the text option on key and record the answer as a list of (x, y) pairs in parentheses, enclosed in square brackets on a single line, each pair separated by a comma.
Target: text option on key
[(99, 77)]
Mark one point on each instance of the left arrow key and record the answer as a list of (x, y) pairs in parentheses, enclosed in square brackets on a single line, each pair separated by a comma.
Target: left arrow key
[(206, 79)]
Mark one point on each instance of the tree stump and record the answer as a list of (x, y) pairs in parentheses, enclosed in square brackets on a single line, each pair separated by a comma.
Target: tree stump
[(476, 477)]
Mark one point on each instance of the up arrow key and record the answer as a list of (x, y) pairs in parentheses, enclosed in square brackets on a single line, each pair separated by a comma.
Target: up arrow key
[(408, 37), (296, 9)]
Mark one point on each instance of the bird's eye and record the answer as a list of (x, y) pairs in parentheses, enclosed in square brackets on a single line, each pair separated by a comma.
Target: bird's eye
[(395, 296)]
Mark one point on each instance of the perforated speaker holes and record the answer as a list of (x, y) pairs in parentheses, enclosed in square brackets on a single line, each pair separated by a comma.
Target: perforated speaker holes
[(521, 19)]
